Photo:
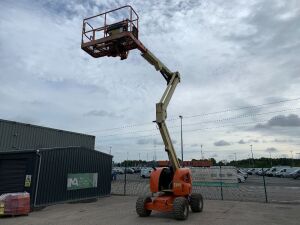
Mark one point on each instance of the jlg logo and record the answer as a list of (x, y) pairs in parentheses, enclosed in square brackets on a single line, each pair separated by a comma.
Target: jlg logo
[(177, 185)]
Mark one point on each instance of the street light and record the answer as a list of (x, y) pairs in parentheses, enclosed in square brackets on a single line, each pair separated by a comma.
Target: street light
[(181, 140), (252, 157), (249, 160), (202, 153), (270, 158), (235, 160)]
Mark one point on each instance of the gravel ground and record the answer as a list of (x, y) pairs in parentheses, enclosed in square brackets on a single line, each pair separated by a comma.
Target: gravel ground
[(121, 210)]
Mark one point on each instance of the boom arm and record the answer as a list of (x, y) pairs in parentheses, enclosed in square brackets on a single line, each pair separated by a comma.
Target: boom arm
[(161, 107), (117, 39)]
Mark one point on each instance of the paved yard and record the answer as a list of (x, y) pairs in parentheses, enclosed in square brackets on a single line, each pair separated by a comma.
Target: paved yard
[(121, 210)]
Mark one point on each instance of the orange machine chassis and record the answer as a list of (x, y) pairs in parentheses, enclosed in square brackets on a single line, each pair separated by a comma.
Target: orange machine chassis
[(170, 186), (162, 203)]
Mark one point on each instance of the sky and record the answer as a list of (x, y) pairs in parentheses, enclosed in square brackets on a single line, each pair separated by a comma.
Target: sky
[(238, 60)]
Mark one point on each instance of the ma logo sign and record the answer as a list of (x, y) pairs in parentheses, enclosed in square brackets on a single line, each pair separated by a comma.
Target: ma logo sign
[(73, 182)]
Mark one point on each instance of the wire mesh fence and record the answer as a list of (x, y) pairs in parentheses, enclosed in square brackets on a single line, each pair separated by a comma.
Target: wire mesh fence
[(254, 188)]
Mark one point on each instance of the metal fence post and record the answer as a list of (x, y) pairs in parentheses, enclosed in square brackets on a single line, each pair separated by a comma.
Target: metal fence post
[(266, 196), (125, 178), (221, 182)]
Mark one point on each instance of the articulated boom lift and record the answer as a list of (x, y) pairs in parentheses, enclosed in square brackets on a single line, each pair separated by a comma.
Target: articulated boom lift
[(116, 38)]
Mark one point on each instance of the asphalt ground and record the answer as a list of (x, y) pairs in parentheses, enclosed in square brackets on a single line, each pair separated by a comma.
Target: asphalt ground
[(120, 210), (277, 189)]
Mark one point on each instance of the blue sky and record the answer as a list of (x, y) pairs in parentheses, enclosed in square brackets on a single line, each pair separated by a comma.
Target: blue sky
[(231, 54)]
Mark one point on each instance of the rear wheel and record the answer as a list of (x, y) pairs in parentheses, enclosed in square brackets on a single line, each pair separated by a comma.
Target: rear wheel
[(140, 206), (196, 202), (180, 208)]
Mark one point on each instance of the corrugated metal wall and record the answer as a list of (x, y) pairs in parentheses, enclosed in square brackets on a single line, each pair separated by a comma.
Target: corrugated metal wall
[(16, 136), (55, 166)]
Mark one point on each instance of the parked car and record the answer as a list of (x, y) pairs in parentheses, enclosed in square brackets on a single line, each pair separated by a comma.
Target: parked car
[(296, 174), (273, 170), (279, 172), (263, 171), (258, 171), (290, 174), (291, 170), (129, 171), (284, 172), (146, 172), (136, 169), (118, 170), (240, 178), (250, 171), (243, 173), (253, 171)]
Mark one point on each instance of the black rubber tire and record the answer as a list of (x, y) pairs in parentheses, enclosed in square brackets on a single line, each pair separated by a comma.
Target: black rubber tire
[(196, 202), (180, 208), (140, 206)]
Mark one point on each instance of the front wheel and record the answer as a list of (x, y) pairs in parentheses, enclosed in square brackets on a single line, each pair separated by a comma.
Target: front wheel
[(140, 206), (180, 208), (196, 202)]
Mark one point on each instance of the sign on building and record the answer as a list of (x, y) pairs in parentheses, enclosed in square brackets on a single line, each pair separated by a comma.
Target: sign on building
[(28, 180), (82, 180)]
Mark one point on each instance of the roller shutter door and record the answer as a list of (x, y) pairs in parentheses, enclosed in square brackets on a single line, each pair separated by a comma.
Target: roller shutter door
[(12, 175)]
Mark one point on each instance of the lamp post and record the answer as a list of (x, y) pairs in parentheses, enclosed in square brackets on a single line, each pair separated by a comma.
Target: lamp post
[(235, 160), (252, 157), (270, 158), (202, 157), (249, 160), (292, 158), (181, 140)]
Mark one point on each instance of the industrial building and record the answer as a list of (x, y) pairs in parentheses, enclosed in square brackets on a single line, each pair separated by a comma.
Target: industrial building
[(52, 165), (21, 136), (56, 175)]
